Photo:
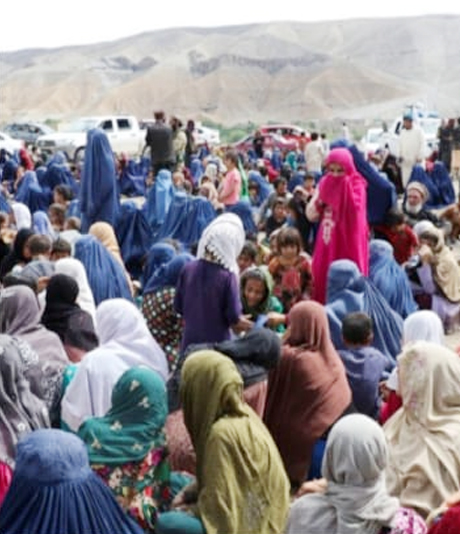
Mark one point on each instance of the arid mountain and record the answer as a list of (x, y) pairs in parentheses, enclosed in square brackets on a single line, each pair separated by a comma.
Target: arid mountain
[(360, 69)]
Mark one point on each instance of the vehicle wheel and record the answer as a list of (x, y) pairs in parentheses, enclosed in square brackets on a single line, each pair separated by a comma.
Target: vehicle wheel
[(79, 155)]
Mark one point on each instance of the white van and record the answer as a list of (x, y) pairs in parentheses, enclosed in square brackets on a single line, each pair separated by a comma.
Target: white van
[(428, 122)]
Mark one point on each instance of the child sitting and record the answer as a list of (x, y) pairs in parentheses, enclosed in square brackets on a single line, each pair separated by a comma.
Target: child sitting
[(247, 257), (290, 269), (278, 218), (258, 302), (397, 232), (364, 365)]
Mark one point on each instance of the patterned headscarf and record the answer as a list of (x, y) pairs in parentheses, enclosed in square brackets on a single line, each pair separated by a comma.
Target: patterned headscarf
[(223, 240)]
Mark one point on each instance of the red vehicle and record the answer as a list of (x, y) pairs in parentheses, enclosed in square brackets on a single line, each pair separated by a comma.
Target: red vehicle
[(287, 131), (271, 141)]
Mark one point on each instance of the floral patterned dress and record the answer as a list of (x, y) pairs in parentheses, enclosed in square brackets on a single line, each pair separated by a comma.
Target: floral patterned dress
[(164, 323), (141, 488)]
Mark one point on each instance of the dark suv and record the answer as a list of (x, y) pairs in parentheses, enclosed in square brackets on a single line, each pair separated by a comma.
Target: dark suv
[(27, 131)]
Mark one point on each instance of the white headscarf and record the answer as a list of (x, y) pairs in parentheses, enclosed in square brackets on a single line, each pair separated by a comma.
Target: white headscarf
[(22, 215), (224, 239), (422, 325), (423, 435), (356, 500), (423, 226), (125, 342), (76, 270)]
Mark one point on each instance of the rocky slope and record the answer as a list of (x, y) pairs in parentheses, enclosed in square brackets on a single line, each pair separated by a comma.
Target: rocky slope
[(358, 69)]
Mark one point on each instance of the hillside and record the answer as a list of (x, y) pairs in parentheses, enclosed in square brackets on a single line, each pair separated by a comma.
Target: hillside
[(358, 69)]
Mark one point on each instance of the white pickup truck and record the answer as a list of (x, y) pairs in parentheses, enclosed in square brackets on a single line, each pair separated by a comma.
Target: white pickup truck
[(123, 132)]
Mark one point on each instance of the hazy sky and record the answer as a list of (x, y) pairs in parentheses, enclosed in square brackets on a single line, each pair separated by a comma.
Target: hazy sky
[(54, 23)]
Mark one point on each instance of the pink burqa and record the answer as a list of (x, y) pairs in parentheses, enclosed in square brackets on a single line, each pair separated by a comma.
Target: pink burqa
[(343, 231)]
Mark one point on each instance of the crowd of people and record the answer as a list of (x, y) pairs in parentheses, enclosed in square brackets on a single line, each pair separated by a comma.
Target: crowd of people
[(211, 341)]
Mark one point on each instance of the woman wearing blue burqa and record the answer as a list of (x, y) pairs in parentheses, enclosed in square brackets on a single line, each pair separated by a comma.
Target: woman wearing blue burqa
[(349, 291), (98, 195)]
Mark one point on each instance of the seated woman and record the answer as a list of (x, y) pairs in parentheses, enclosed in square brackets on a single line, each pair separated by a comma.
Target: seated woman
[(390, 278), (438, 276), (307, 392), (41, 349), (349, 291), (264, 308), (124, 342), (164, 323), (52, 467), (106, 276), (253, 354), (127, 446), (422, 325), (424, 456), (104, 232), (64, 316), (241, 484), (352, 497), (21, 411), (74, 268)]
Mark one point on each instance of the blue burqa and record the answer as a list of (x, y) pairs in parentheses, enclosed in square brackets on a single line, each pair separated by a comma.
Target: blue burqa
[(159, 199), (98, 195), (187, 217), (390, 278), (134, 237), (106, 276), (349, 291), (55, 491)]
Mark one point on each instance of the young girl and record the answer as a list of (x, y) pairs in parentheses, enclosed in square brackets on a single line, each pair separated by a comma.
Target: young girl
[(230, 189), (340, 206), (291, 270), (207, 293), (257, 299)]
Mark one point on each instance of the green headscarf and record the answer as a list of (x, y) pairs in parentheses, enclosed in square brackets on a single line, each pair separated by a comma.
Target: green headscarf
[(134, 424), (242, 484), (262, 274), (211, 387)]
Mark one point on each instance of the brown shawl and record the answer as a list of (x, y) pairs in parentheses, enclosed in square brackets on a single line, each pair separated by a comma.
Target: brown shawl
[(308, 390)]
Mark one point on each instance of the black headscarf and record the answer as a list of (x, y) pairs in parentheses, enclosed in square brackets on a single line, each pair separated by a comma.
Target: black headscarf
[(17, 254), (254, 354), (63, 316)]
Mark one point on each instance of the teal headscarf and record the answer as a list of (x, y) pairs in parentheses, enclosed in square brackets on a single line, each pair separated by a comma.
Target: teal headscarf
[(134, 424)]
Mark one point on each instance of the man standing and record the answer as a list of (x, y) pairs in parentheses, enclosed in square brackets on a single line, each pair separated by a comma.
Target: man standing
[(314, 155), (160, 140), (411, 150)]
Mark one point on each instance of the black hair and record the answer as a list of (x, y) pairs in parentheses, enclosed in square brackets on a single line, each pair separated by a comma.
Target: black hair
[(279, 181), (289, 236), (394, 217), (65, 191), (249, 249), (357, 328)]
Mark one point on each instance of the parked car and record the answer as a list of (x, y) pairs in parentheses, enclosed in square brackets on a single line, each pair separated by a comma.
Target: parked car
[(429, 122), (9, 144), (271, 141), (203, 135), (371, 141), (287, 131), (122, 131), (27, 131)]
